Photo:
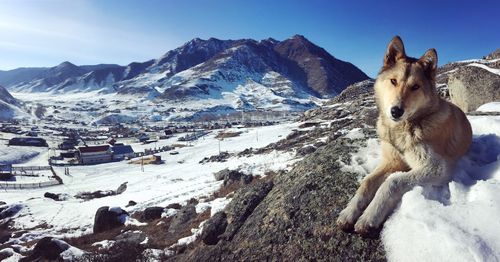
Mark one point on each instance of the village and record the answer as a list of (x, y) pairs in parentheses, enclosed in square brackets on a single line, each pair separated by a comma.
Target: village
[(87, 146)]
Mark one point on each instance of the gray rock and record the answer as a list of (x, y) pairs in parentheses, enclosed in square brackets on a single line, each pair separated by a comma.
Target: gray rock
[(471, 87), (232, 176), (182, 218)]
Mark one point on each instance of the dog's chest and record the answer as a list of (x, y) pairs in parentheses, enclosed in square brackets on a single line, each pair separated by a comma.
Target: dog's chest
[(403, 137)]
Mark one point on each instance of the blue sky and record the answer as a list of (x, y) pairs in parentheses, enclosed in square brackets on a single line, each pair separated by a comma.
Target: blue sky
[(47, 32)]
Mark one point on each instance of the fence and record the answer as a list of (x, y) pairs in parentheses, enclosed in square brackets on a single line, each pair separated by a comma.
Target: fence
[(5, 185), (20, 170)]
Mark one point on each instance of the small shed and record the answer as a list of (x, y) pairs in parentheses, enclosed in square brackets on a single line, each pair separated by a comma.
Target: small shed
[(121, 152)]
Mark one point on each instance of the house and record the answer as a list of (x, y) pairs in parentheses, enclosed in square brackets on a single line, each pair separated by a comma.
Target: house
[(143, 137), (28, 141), (121, 151), (5, 171), (95, 154)]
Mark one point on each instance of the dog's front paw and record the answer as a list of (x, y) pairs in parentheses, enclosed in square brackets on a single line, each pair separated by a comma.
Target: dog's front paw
[(346, 219), (365, 225)]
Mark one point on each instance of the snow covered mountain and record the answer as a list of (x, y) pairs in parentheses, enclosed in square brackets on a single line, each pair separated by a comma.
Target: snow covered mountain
[(243, 74), (9, 106)]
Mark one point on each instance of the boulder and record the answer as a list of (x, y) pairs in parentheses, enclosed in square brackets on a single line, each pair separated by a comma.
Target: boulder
[(47, 248), (471, 87), (108, 218), (213, 228), (182, 218), (152, 213)]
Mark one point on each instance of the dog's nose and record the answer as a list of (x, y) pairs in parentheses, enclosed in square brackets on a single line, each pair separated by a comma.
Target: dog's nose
[(397, 112)]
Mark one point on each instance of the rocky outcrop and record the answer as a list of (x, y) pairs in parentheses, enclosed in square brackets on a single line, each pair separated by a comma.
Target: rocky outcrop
[(292, 217), (108, 218), (472, 86)]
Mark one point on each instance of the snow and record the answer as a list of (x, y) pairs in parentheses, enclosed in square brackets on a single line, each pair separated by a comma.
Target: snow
[(18, 154), (489, 107), (181, 177), (454, 223), (485, 67)]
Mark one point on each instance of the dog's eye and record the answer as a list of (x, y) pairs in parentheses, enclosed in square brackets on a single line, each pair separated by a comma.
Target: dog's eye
[(415, 87), (394, 82)]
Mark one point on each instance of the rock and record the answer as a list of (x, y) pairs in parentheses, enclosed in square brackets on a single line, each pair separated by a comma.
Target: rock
[(121, 188), (130, 237), (174, 206), (10, 210), (2, 203), (131, 203), (306, 150), (182, 218), (471, 87), (231, 176), (56, 197), (222, 157), (292, 216), (193, 201), (152, 213), (494, 55), (95, 194), (319, 144), (106, 219), (47, 248), (213, 228)]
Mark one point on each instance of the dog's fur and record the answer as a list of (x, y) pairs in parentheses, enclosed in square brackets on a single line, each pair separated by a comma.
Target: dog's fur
[(419, 148)]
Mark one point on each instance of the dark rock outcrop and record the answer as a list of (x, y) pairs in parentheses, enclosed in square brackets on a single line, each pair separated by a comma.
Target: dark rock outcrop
[(106, 219), (152, 213), (213, 228), (47, 249)]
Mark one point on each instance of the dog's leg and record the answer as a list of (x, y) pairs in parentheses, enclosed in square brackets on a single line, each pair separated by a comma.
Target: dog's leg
[(427, 169), (391, 162)]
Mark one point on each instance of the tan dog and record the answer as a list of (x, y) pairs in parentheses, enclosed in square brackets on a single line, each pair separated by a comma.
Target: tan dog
[(421, 136)]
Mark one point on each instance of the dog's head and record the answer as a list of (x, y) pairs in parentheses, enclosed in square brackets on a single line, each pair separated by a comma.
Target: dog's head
[(405, 86)]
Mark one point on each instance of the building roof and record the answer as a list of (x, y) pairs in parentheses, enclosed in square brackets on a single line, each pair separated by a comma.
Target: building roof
[(122, 149), (5, 168), (93, 149)]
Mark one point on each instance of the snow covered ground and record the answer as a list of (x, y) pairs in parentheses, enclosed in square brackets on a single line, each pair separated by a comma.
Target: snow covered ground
[(179, 179), (461, 224)]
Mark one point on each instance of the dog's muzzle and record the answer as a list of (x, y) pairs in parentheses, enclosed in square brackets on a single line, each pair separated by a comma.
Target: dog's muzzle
[(397, 112)]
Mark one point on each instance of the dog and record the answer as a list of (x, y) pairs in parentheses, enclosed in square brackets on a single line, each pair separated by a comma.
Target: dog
[(421, 136)]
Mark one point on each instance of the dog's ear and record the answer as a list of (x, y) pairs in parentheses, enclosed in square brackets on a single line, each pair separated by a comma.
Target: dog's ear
[(429, 62), (395, 51)]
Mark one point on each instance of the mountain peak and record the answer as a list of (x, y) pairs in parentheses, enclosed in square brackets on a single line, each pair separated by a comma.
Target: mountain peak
[(66, 64)]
